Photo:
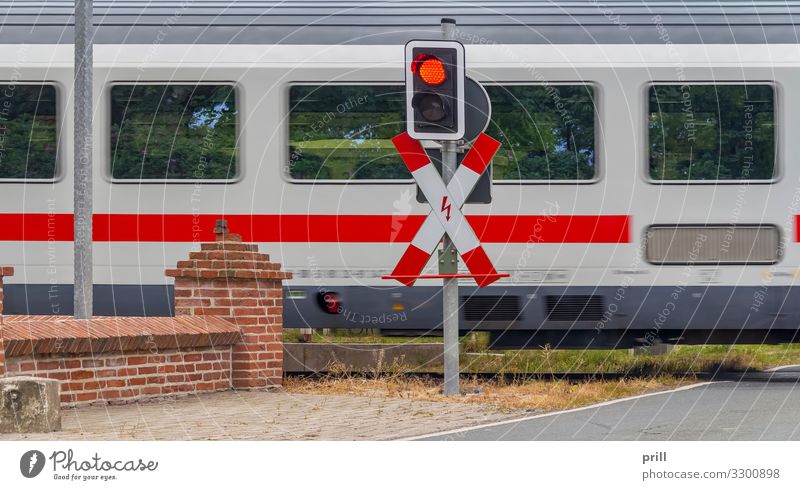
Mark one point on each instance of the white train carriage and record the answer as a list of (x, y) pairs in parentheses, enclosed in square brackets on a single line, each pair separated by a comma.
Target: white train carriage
[(646, 189)]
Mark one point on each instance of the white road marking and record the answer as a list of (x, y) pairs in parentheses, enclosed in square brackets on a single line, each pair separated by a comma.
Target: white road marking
[(561, 412), (772, 370)]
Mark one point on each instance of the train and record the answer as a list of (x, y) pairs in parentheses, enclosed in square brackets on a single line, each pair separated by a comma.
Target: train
[(643, 193)]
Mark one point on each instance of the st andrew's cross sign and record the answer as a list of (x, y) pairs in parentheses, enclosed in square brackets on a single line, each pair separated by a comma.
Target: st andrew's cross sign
[(445, 216)]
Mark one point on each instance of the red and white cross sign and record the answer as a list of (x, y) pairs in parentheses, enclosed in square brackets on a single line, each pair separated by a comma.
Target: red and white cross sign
[(446, 216)]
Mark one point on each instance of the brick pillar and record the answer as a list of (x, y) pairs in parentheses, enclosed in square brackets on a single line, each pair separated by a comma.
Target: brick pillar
[(4, 271), (232, 280)]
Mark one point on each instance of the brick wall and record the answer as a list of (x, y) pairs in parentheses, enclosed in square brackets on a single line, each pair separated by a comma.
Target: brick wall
[(4, 271), (232, 280), (119, 359), (227, 333), (121, 378)]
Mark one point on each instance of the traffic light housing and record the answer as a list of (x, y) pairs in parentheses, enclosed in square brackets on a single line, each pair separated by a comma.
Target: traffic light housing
[(435, 90)]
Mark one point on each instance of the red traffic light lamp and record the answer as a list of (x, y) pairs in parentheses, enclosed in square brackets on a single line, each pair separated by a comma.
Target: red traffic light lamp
[(429, 68)]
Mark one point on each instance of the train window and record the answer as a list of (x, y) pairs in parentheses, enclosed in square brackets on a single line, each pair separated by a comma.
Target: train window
[(28, 132), (173, 132), (547, 132), (707, 132), (344, 132)]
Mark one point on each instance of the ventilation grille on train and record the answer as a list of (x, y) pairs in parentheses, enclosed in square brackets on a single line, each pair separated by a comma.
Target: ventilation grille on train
[(491, 308), (714, 244), (573, 308)]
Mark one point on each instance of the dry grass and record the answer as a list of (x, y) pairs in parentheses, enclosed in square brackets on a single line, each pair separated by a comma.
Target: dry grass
[(513, 396), (478, 357)]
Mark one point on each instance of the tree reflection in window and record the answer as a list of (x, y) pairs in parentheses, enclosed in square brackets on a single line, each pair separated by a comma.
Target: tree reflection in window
[(546, 132), (28, 132), (711, 132), (173, 132), (344, 132)]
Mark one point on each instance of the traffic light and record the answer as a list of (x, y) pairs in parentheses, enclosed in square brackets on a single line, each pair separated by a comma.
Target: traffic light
[(435, 90)]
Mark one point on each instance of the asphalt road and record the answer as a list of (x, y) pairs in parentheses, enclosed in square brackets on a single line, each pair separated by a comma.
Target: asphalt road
[(762, 407)]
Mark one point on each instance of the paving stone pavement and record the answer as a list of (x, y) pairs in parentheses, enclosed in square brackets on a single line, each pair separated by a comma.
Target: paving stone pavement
[(272, 415)]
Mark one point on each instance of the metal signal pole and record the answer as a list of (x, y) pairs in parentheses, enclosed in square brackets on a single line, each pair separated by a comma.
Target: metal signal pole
[(82, 179), (448, 264)]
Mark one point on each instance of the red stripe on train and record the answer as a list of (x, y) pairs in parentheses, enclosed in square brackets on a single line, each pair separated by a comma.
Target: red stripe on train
[(313, 228), (797, 228)]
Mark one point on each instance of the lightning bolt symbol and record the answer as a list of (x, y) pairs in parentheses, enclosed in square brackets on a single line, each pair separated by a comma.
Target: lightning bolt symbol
[(32, 463), (446, 208)]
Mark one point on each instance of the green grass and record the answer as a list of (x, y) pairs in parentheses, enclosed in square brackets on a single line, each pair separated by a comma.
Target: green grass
[(476, 357), (683, 359)]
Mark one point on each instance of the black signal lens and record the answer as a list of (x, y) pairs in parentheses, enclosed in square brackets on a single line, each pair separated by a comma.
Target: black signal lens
[(431, 106)]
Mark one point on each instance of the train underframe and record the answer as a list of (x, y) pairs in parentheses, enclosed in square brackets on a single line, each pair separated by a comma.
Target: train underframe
[(516, 316)]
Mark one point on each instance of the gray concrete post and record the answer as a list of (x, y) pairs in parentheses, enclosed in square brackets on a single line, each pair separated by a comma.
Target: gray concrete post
[(82, 179)]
